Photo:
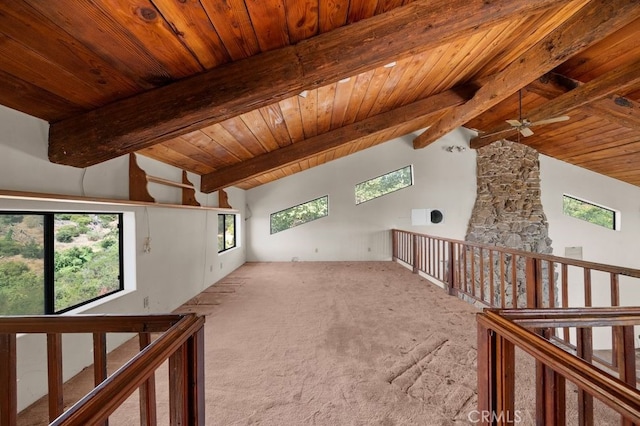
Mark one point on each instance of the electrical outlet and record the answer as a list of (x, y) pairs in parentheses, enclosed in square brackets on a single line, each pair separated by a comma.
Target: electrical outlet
[(316, 249), (145, 302), (220, 265), (210, 268)]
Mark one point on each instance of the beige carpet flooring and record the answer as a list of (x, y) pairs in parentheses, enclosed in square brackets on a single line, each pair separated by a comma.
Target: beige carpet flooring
[(330, 343)]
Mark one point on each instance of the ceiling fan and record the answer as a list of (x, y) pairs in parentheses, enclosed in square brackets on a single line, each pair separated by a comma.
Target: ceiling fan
[(522, 125)]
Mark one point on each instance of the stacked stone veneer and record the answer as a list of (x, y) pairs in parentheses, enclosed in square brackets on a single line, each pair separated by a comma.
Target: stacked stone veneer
[(508, 211)]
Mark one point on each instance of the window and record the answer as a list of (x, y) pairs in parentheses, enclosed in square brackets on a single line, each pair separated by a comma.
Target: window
[(226, 232), (590, 212), (297, 215), (53, 262), (385, 184)]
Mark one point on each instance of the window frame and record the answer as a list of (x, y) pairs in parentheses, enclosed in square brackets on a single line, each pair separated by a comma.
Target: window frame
[(296, 206), (410, 167), (224, 232), (615, 225), (49, 235)]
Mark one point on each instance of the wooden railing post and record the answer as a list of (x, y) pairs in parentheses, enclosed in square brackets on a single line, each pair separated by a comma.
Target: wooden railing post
[(54, 370), (626, 358), (584, 349), (416, 253), (394, 245), (550, 392), (178, 410), (451, 272), (496, 378), (534, 284), (147, 390), (8, 394), (195, 356), (100, 362)]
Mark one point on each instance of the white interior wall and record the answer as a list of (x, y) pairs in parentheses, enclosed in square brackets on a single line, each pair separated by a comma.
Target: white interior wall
[(183, 261), (442, 180), (447, 181)]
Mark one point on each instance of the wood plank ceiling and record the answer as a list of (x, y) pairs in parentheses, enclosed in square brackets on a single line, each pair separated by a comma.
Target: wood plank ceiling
[(243, 92)]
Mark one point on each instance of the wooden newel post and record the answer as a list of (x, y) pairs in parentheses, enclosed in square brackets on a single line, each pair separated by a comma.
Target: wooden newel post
[(394, 245)]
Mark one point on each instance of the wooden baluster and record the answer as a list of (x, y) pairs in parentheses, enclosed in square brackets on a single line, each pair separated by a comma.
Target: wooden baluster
[(626, 358), (533, 282), (585, 401), (451, 265), (195, 358), (148, 416), (54, 372), (100, 361), (394, 245), (550, 392), (552, 284), (505, 373), (178, 410), (8, 381), (486, 379), (565, 297), (415, 254), (587, 287), (473, 270), (514, 280), (491, 280), (481, 267), (615, 301), (503, 282), (464, 269)]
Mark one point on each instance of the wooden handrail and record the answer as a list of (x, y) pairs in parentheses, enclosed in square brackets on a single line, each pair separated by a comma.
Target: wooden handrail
[(630, 272), (98, 404), (181, 342), (618, 395), (87, 323)]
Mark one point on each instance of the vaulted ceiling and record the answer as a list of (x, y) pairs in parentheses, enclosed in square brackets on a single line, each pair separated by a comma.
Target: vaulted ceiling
[(243, 92)]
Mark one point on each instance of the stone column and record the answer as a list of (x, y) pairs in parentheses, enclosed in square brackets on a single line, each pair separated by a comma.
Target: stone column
[(508, 210)]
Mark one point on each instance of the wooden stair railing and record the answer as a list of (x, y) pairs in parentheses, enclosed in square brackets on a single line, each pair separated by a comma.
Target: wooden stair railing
[(501, 331), (181, 342)]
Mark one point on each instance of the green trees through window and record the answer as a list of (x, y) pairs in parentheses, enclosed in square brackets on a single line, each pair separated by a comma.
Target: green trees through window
[(226, 232), (385, 184), (50, 263), (297, 215), (589, 212)]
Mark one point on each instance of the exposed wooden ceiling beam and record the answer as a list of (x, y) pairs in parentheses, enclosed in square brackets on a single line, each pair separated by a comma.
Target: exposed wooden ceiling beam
[(418, 112), (617, 80), (238, 87), (614, 108), (594, 21)]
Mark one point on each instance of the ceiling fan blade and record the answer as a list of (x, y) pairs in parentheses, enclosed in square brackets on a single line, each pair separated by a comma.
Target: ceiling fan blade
[(526, 132), (551, 120), (514, 123)]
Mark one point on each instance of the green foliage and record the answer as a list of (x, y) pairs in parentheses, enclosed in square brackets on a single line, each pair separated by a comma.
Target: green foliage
[(382, 185), (81, 273), (297, 215), (33, 221), (589, 212), (33, 250), (21, 290), (8, 247), (8, 219), (72, 260), (85, 274), (67, 233)]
